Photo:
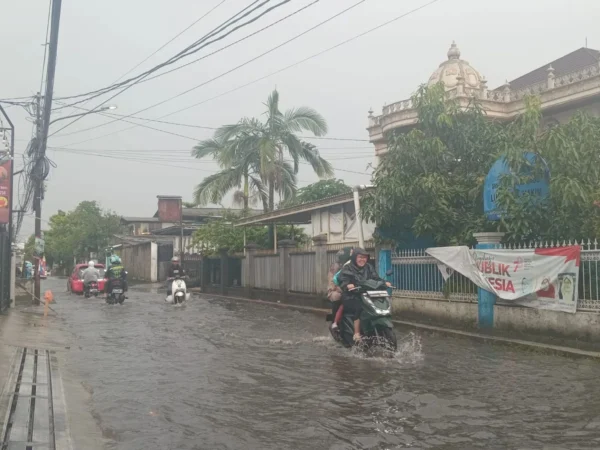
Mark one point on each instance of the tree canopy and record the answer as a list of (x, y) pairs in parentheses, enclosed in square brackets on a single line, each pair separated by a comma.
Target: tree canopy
[(260, 160), (88, 228), (221, 234), (318, 191), (431, 180)]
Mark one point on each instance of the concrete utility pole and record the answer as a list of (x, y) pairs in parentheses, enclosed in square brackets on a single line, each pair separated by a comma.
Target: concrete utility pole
[(43, 126)]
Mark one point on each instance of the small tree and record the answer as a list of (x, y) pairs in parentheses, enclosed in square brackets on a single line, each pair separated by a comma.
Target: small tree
[(220, 233), (318, 191)]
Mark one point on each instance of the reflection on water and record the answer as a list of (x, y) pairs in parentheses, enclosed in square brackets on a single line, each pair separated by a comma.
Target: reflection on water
[(218, 374)]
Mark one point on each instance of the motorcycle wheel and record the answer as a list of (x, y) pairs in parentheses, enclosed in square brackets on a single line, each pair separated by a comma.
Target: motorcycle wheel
[(388, 335), (121, 298)]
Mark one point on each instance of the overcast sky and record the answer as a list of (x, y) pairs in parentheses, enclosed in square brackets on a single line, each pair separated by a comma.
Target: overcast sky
[(101, 40)]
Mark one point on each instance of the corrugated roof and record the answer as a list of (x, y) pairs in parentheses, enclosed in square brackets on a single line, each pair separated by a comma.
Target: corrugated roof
[(212, 212), (564, 65), (298, 214), (139, 219)]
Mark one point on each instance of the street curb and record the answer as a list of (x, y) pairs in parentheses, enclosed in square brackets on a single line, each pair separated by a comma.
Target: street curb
[(568, 351)]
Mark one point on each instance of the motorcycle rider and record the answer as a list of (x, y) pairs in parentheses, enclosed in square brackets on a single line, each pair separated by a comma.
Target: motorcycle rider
[(90, 275), (350, 277), (175, 270), (334, 292), (114, 272)]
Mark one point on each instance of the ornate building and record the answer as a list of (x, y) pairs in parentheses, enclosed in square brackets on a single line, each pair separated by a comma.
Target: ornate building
[(566, 85)]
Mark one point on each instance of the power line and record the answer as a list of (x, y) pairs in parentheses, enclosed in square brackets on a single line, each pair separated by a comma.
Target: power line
[(123, 118), (163, 164), (187, 91), (412, 11), (180, 55), (190, 50), (203, 127), (169, 41), (186, 150), (233, 43)]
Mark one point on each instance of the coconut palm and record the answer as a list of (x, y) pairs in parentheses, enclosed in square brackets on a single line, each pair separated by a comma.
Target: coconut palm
[(260, 158)]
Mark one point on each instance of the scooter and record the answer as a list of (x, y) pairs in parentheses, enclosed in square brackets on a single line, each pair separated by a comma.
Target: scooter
[(91, 289), (376, 327), (117, 294), (179, 293)]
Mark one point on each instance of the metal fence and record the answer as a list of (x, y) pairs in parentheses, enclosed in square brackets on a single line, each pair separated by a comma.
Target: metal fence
[(416, 275), (302, 267), (266, 271)]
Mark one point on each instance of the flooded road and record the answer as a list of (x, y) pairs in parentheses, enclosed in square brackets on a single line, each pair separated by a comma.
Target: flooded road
[(219, 374)]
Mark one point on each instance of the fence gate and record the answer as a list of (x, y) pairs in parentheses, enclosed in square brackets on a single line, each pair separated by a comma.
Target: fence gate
[(5, 268)]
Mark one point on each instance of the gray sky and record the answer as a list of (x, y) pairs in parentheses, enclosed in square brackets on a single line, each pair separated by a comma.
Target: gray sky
[(100, 41)]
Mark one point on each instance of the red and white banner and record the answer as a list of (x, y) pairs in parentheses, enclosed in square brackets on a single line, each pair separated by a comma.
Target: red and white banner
[(544, 278)]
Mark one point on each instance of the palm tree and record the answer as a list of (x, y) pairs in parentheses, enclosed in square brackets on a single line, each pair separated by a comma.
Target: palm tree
[(253, 156)]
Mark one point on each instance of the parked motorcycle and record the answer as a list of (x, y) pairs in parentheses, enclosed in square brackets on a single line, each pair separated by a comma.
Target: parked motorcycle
[(376, 327), (117, 293), (179, 293), (90, 289)]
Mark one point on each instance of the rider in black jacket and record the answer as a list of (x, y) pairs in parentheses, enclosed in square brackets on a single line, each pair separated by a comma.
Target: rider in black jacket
[(358, 271)]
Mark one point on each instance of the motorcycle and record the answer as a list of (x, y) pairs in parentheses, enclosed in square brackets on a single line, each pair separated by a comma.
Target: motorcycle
[(117, 293), (91, 289), (179, 293), (376, 327)]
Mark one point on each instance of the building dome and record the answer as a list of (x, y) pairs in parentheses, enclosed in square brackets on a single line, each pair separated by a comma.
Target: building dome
[(450, 71)]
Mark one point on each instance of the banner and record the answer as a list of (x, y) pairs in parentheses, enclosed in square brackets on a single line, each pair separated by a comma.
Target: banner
[(543, 278), (5, 192)]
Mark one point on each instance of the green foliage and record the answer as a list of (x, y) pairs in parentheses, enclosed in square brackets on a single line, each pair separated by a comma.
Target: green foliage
[(572, 153), (220, 233), (29, 249), (318, 191), (431, 180), (253, 156), (77, 233)]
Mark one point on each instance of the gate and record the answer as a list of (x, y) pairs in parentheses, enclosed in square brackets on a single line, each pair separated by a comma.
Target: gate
[(5, 269)]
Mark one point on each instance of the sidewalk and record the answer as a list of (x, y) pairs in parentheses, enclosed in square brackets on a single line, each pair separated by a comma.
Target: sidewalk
[(42, 406)]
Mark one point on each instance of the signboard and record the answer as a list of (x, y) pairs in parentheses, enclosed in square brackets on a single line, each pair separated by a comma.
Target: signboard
[(543, 278), (5, 170), (539, 188)]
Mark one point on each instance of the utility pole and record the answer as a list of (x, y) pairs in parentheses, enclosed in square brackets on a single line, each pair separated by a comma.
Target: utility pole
[(42, 134)]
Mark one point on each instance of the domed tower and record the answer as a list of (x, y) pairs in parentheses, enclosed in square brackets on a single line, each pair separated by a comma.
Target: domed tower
[(456, 72)]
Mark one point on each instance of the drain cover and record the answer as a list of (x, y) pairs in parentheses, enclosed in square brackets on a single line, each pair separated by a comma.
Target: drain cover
[(30, 419)]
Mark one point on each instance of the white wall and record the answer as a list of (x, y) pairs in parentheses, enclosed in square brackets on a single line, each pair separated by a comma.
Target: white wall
[(581, 325)]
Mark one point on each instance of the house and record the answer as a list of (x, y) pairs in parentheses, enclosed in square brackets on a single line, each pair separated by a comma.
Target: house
[(566, 85), (170, 219), (334, 217)]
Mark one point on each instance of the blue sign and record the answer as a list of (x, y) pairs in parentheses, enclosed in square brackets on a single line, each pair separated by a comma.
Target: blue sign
[(539, 188)]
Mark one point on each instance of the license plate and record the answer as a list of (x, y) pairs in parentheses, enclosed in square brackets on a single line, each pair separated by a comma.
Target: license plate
[(117, 291)]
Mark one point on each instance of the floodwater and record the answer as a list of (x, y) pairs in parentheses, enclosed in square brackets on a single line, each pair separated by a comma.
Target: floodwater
[(219, 374)]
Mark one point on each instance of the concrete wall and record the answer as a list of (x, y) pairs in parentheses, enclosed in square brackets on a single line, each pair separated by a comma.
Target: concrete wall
[(140, 261), (581, 325)]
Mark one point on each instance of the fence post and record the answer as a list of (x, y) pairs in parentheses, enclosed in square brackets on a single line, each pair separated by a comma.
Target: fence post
[(384, 263), (204, 272), (486, 299), (285, 274), (249, 269), (224, 270), (321, 266)]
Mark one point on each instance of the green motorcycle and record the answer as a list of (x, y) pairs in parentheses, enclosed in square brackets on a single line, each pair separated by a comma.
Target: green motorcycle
[(376, 325)]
